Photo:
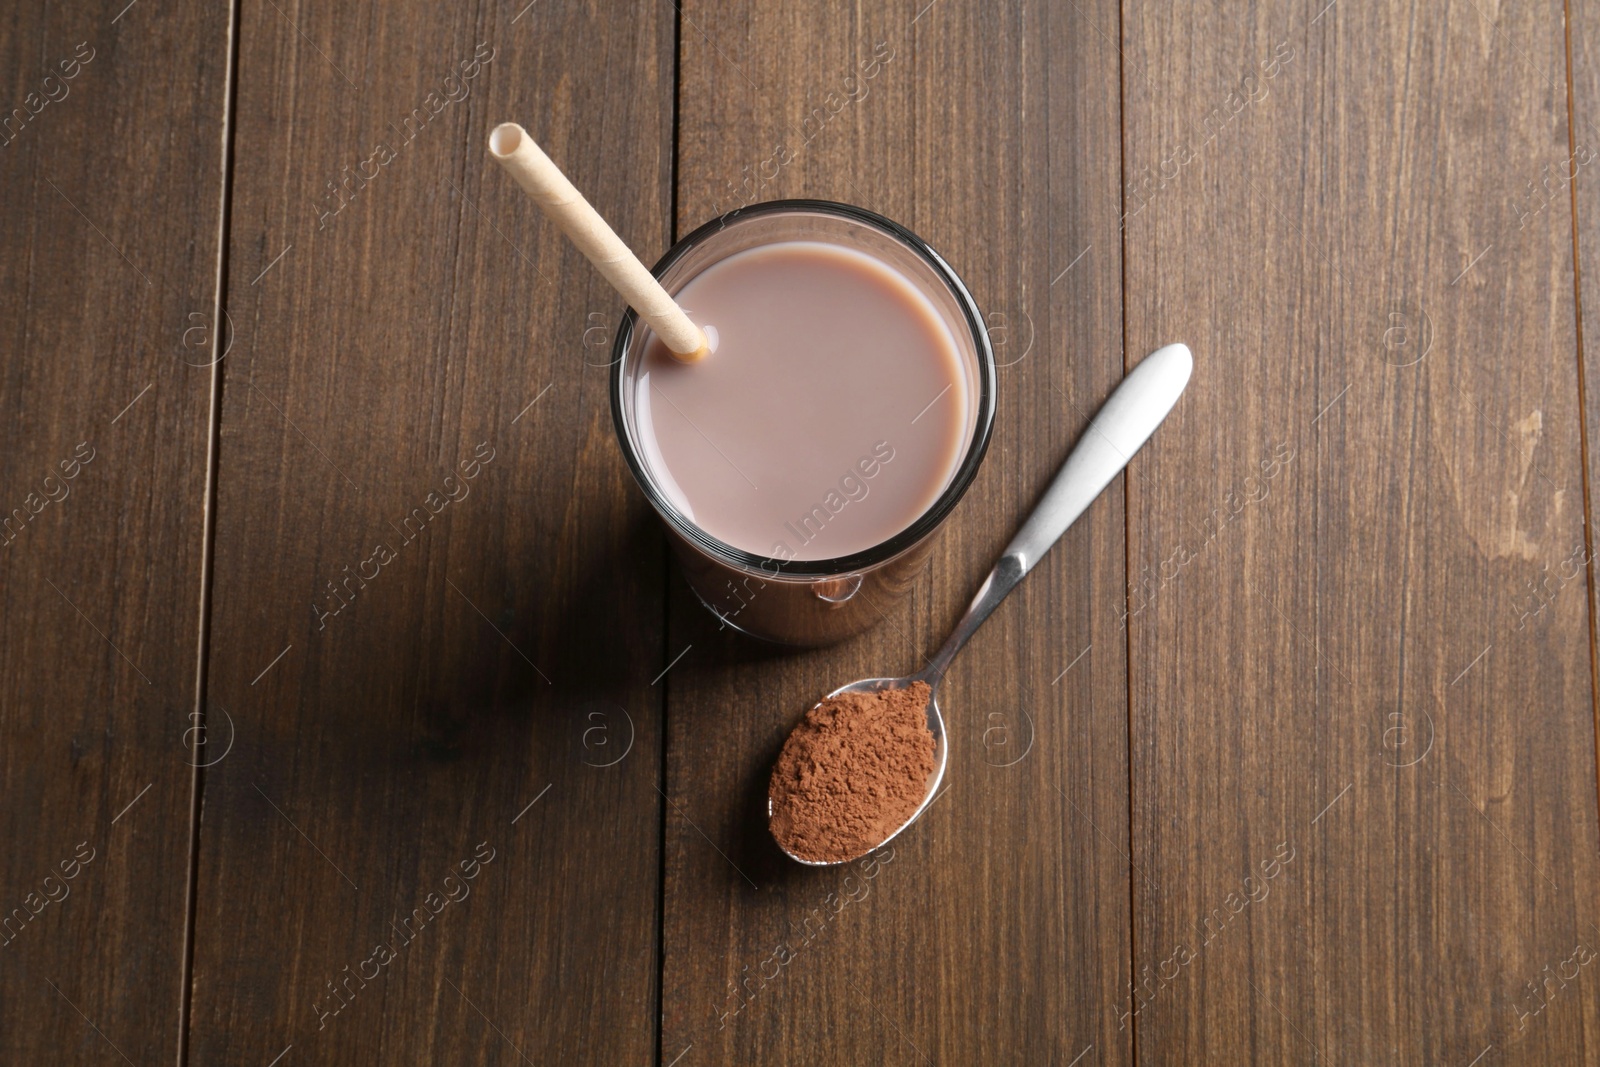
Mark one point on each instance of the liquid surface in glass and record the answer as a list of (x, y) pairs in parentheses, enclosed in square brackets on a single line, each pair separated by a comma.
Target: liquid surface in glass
[(831, 413)]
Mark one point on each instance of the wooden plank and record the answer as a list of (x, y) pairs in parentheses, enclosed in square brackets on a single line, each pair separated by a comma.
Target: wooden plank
[(108, 284), (1573, 175), (997, 931), (1381, 453), (438, 602)]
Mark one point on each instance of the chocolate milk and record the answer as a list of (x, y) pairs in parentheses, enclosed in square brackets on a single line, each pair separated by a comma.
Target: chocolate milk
[(830, 415)]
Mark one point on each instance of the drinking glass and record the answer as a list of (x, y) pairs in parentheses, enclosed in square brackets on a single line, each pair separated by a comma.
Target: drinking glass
[(810, 602)]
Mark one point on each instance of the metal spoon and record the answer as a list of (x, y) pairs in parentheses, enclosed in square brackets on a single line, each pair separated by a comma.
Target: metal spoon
[(1126, 420)]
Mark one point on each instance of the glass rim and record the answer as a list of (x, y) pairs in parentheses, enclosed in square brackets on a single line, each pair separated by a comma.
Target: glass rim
[(925, 523)]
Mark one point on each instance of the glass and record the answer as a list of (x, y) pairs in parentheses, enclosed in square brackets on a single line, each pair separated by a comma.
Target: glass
[(811, 602)]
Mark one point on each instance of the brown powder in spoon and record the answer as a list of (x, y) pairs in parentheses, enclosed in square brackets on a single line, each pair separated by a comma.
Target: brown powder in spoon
[(852, 773)]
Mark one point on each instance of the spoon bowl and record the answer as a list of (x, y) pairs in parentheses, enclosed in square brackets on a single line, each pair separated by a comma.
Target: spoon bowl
[(941, 753), (1122, 425)]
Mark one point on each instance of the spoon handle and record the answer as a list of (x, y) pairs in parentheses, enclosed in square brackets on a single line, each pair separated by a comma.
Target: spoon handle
[(1124, 423)]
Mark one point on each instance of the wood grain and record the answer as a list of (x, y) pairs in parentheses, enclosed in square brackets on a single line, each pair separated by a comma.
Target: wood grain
[(1286, 754), (997, 930), (108, 257), (1341, 666), (438, 603), (1573, 176)]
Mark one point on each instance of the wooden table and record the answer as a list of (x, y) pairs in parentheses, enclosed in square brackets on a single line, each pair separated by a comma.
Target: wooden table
[(317, 748)]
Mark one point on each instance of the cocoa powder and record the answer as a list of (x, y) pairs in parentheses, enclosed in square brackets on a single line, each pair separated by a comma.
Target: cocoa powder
[(852, 773)]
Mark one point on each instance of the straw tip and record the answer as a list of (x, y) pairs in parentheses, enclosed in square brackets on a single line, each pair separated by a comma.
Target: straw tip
[(693, 357), (504, 139)]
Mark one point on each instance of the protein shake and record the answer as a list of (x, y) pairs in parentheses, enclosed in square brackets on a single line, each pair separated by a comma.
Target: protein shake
[(830, 415), (803, 466)]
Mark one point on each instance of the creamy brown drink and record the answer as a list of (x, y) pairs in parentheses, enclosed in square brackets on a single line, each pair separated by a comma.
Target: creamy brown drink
[(832, 413)]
